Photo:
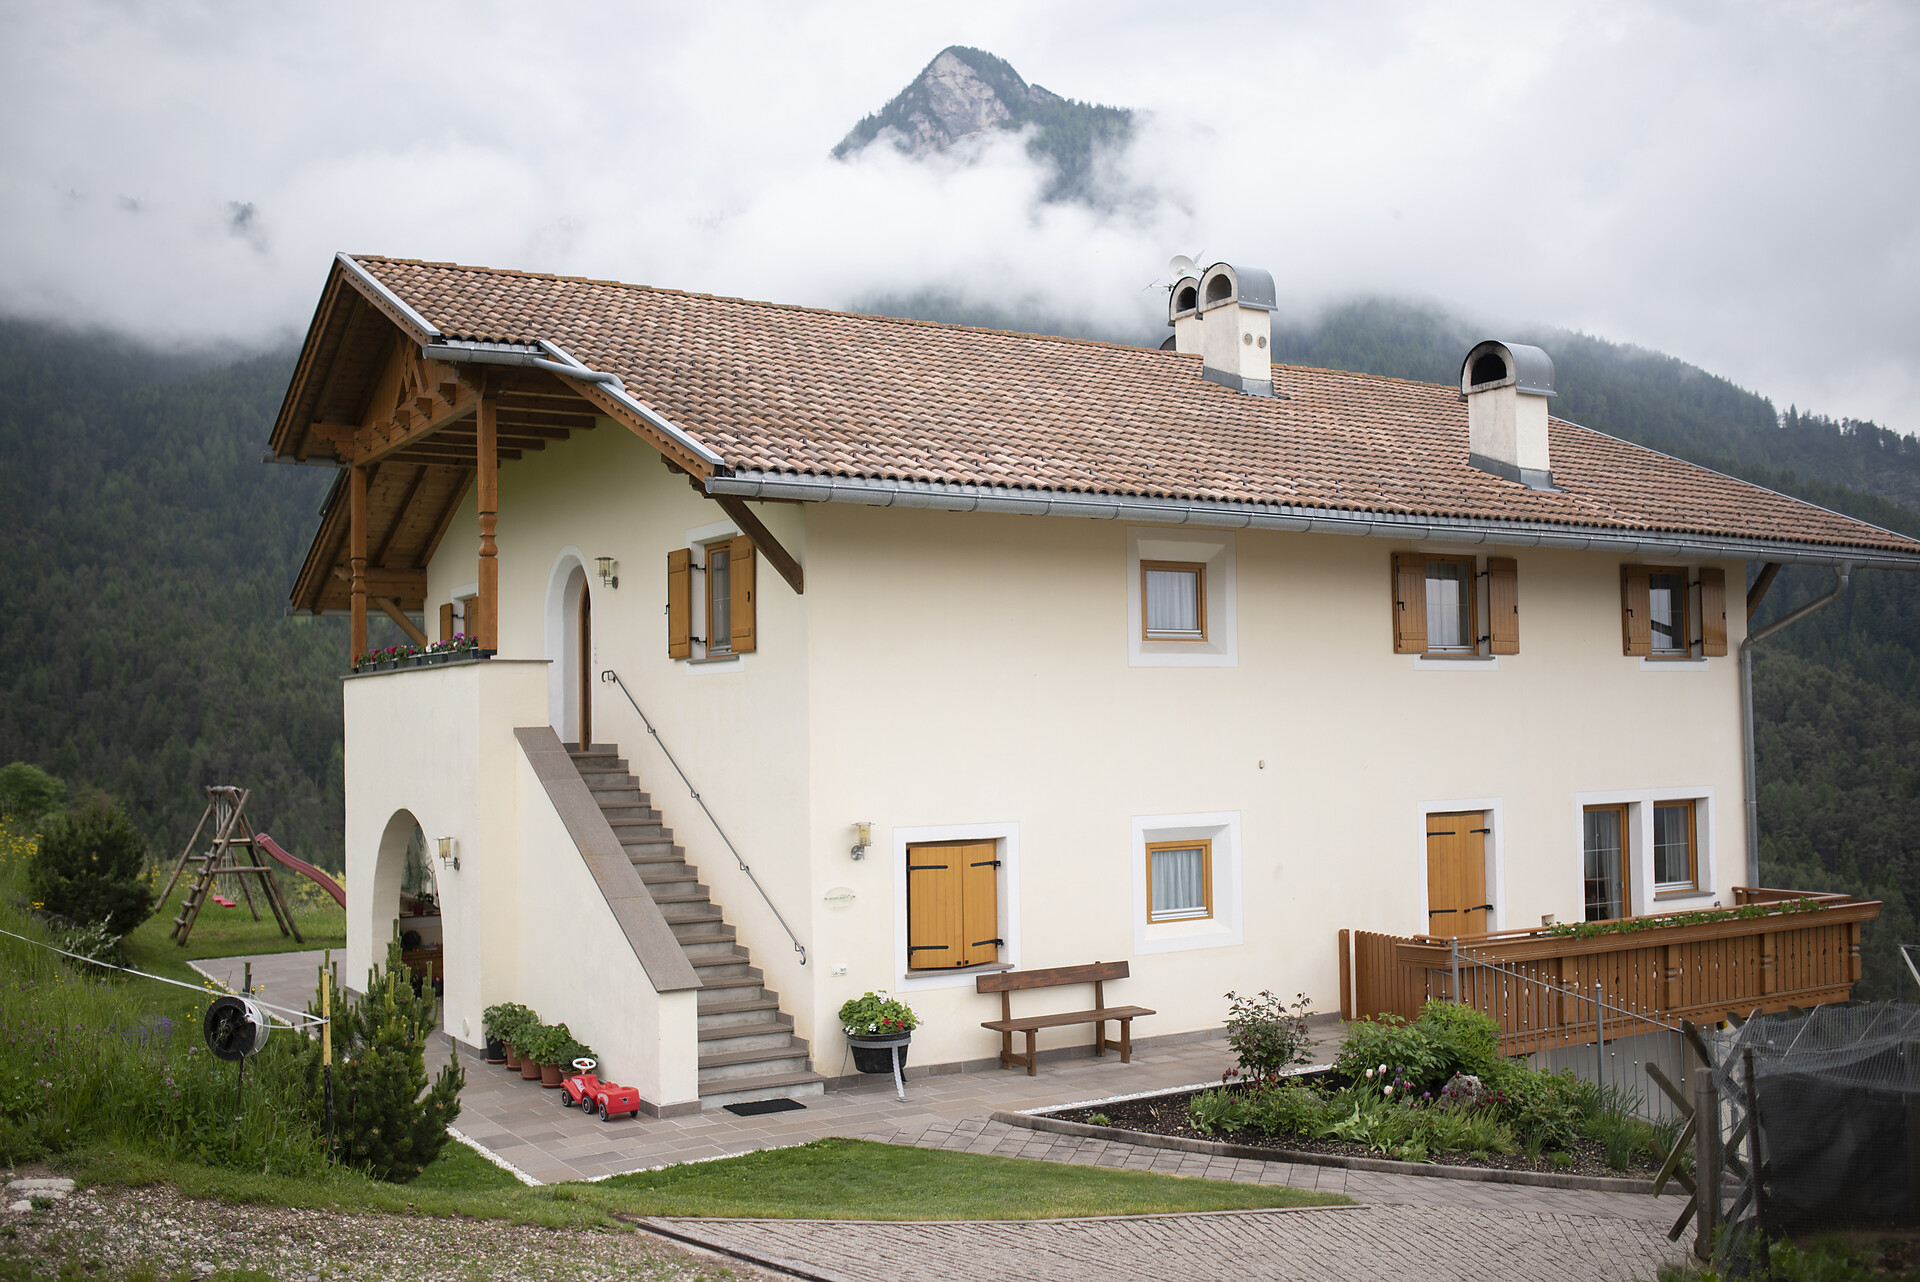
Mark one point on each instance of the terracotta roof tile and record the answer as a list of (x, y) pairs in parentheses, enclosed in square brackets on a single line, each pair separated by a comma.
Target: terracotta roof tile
[(778, 388)]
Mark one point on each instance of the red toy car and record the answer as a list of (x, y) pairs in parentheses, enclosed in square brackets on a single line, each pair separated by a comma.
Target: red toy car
[(594, 1095)]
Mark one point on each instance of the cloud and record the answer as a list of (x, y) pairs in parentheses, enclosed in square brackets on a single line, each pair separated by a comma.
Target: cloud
[(1727, 183)]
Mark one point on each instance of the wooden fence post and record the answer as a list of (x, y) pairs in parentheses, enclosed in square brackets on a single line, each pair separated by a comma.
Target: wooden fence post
[(1346, 978)]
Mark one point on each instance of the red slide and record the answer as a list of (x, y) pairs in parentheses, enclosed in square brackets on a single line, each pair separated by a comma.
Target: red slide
[(302, 867)]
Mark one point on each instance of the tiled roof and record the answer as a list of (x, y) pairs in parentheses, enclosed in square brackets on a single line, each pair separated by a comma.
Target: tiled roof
[(779, 388)]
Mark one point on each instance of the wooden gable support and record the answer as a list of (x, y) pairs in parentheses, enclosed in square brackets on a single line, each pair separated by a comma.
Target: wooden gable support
[(391, 608), (777, 556), (1758, 592)]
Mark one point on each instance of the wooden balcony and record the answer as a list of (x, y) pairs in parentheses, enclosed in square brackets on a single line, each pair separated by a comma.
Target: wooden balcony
[(1541, 986)]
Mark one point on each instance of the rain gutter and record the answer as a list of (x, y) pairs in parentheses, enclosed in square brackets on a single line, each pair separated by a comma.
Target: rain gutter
[(1842, 573), (1217, 514)]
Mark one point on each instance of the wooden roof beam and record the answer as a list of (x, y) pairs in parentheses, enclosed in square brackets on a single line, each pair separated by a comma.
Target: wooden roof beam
[(401, 517)]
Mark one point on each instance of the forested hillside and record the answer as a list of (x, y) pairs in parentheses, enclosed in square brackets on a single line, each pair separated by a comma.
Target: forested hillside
[(147, 557), (148, 554)]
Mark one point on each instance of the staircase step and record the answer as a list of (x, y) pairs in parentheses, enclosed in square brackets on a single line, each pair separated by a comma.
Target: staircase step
[(667, 872), (737, 1011), (732, 1067), (619, 814), (739, 1090), (712, 967), (610, 781), (680, 892), (735, 1037)]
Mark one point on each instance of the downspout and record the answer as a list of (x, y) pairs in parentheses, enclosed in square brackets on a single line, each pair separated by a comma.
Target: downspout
[(1841, 574)]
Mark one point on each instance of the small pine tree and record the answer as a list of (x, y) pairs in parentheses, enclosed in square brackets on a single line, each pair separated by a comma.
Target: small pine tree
[(88, 868), (28, 792), (387, 1121)]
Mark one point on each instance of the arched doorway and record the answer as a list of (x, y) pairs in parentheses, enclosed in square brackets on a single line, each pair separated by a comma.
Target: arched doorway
[(406, 895), (570, 647)]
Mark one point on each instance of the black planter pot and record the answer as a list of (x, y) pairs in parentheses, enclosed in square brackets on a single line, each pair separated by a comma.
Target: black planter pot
[(496, 1051), (875, 1054)]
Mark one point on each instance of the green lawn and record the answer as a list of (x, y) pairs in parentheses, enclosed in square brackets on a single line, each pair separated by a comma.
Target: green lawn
[(833, 1179), (840, 1179), (228, 932)]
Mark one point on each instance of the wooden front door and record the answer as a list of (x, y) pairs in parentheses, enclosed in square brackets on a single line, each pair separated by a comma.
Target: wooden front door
[(586, 668), (953, 904), (1457, 874)]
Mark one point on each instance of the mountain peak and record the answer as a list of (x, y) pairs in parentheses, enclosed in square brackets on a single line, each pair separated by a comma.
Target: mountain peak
[(966, 92)]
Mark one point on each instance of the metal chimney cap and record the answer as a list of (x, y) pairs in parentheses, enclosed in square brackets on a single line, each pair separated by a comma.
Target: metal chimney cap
[(1529, 369), (1248, 287)]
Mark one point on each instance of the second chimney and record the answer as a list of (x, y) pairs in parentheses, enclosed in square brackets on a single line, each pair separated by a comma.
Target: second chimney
[(1236, 307), (1506, 386)]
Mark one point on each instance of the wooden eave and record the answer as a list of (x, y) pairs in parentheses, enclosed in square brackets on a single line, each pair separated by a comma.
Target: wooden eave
[(363, 394)]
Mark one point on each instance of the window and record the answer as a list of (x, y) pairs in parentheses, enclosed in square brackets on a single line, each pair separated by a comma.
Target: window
[(1675, 840), (727, 614), (1657, 611), (1606, 862), (719, 600), (1173, 601), (1179, 880), (953, 904), (1436, 605), (455, 618)]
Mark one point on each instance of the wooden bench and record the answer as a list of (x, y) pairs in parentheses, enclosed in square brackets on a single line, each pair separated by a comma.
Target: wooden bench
[(1007, 981)]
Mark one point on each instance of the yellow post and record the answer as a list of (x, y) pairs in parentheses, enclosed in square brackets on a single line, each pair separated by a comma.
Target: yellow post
[(326, 1014)]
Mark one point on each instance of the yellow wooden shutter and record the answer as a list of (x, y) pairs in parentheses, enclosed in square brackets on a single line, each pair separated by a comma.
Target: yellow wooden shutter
[(1503, 604), (935, 893), (980, 902), (740, 570), (1409, 603), (1713, 611), (1636, 605), (679, 604), (446, 622)]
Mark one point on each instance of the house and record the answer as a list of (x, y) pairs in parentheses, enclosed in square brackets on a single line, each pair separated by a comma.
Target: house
[(821, 653)]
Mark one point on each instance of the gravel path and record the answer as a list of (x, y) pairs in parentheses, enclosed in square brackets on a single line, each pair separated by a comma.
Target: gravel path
[(158, 1229)]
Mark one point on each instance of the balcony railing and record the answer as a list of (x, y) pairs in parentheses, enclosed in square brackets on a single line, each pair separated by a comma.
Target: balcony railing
[(1541, 985)]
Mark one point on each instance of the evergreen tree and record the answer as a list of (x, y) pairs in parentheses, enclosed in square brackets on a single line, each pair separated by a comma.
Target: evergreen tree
[(387, 1121), (88, 868)]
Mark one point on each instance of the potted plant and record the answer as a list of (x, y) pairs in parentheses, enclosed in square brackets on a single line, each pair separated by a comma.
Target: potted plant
[(499, 1024), (875, 1025), (531, 1044), (555, 1052)]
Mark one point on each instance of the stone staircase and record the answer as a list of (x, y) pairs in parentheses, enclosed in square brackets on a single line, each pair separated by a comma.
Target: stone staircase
[(747, 1047)]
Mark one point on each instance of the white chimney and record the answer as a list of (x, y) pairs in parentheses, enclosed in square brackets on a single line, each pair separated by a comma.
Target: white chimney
[(1236, 315), (1183, 316), (1506, 386)]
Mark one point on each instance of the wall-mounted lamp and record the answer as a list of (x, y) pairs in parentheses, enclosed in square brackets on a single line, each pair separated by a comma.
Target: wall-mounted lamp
[(862, 838), (447, 858), (607, 576)]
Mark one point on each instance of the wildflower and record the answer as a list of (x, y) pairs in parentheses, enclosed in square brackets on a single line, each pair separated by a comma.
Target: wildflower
[(1383, 1068), (1369, 1074), (1387, 1091)]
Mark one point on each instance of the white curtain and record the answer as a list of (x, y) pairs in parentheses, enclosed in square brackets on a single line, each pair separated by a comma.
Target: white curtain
[(1179, 888), (1670, 862), (1446, 605), (1603, 882), (1173, 601)]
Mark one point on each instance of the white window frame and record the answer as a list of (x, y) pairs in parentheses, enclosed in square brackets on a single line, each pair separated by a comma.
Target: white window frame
[(1213, 549), (1223, 928), (1006, 839), (1643, 896), (1496, 851)]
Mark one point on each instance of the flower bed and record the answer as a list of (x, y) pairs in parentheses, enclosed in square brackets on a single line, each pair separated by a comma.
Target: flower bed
[(1430, 1090)]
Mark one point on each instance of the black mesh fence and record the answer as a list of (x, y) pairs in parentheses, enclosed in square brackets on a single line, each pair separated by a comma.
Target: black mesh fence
[(1828, 1101)]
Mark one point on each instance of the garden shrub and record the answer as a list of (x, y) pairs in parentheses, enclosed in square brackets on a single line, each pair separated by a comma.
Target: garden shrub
[(1392, 1041), (1268, 1035), (387, 1121), (1287, 1109), (27, 792), (88, 868), (1467, 1040), (1218, 1111), (1547, 1110)]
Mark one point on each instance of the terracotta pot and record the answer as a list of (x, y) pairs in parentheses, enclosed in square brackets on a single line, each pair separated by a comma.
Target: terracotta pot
[(513, 1058), (529, 1071), (550, 1076)]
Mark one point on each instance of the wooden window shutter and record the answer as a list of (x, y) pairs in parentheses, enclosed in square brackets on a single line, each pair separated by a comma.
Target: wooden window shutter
[(935, 893), (1636, 605), (679, 604), (446, 621), (740, 570), (980, 902), (1503, 604), (1713, 611), (1409, 603)]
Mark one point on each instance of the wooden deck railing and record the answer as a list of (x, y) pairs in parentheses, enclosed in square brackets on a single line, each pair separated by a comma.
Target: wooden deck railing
[(1540, 986)]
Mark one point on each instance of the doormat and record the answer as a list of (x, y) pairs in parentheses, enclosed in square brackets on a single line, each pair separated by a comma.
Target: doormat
[(753, 1108)]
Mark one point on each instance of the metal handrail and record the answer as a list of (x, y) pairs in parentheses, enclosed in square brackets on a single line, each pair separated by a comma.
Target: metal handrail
[(609, 675)]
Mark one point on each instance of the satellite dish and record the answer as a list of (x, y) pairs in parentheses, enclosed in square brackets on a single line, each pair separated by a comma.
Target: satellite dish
[(1180, 265)]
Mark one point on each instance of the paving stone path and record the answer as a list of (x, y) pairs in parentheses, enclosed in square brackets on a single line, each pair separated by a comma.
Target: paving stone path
[(1366, 1244)]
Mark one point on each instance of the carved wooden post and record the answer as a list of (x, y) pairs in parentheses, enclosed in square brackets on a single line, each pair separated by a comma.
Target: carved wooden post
[(487, 465), (357, 561)]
